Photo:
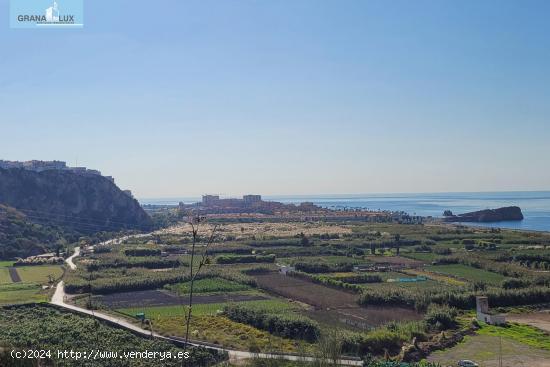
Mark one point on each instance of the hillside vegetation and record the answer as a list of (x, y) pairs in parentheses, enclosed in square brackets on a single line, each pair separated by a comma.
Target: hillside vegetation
[(41, 211)]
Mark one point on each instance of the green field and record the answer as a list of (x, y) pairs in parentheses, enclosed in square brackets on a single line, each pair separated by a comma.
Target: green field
[(422, 256), (272, 305), (385, 275), (423, 285), (4, 276), (327, 259), (524, 334), (6, 263), (468, 273), (21, 293), (209, 285), (39, 273)]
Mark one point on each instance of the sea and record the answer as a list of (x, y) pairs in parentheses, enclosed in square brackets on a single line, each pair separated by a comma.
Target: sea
[(535, 205)]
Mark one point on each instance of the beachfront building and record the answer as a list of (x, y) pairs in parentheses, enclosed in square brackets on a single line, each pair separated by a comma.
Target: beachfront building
[(251, 199)]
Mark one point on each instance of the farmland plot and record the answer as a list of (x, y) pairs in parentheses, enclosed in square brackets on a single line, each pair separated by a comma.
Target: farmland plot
[(331, 304), (164, 298)]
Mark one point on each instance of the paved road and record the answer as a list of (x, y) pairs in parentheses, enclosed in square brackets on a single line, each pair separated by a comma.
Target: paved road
[(59, 298)]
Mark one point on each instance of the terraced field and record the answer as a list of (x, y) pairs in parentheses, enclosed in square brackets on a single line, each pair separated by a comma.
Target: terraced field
[(39, 274), (164, 298), (468, 273)]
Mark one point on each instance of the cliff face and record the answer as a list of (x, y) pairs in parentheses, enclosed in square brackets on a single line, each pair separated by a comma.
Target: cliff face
[(86, 203), (488, 215)]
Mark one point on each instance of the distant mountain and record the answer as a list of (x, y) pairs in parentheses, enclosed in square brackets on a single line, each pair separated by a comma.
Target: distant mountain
[(85, 203)]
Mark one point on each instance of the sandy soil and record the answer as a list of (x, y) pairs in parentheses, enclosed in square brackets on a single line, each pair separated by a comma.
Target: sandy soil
[(540, 319)]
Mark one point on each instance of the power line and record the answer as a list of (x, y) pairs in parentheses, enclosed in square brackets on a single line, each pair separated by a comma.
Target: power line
[(71, 216), (78, 221)]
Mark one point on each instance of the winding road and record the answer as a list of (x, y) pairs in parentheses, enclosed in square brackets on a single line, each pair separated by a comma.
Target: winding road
[(59, 298)]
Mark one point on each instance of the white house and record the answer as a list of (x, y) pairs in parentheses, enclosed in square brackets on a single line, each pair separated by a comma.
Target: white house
[(483, 314)]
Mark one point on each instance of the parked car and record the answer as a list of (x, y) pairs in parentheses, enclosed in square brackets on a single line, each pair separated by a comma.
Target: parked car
[(467, 363)]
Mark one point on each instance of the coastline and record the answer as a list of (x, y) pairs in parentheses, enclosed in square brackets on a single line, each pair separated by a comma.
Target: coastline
[(534, 204)]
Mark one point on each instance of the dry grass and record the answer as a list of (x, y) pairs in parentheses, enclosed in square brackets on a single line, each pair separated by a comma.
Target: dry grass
[(222, 331), (264, 230), (484, 349)]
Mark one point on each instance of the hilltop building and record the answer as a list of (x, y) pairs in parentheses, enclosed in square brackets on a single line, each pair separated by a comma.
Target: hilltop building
[(41, 166), (37, 166)]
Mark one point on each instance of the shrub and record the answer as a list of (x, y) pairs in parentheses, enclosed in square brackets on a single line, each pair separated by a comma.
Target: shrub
[(101, 249), (323, 267), (443, 251), (261, 269), (142, 252), (240, 259), (293, 327), (422, 248), (515, 283), (147, 262), (441, 317), (328, 281)]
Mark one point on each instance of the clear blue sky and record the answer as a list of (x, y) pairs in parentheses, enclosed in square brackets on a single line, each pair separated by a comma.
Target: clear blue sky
[(180, 98)]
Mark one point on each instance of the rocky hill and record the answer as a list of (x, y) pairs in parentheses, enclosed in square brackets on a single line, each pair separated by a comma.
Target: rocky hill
[(83, 203), (488, 215), (20, 237)]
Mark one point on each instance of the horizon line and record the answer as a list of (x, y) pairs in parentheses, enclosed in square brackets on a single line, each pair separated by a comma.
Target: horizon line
[(347, 194)]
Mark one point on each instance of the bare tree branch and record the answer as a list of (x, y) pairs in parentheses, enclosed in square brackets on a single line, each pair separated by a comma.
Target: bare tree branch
[(195, 223)]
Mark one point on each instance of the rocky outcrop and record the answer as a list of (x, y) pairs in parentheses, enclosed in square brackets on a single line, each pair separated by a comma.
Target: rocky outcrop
[(85, 203), (509, 213)]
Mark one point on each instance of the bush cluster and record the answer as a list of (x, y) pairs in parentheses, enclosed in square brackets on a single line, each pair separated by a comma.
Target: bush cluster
[(142, 252), (441, 317), (243, 259), (328, 281), (323, 267), (293, 327), (147, 262)]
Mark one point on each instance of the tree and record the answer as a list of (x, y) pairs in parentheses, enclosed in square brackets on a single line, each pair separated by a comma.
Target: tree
[(195, 222), (397, 244)]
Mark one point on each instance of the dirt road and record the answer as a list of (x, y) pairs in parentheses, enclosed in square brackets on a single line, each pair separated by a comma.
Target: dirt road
[(14, 275)]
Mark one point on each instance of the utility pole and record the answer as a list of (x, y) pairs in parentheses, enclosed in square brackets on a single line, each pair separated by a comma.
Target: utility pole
[(500, 353)]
